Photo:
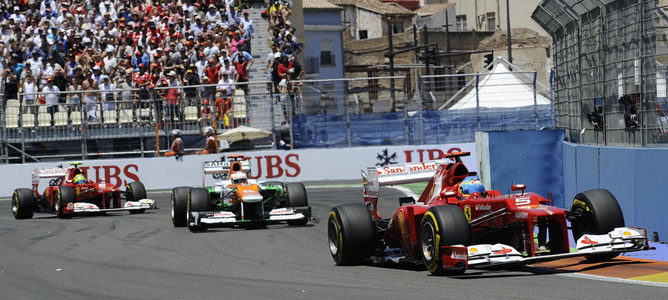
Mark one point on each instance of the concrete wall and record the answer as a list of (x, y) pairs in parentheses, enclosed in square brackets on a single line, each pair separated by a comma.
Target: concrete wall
[(312, 49), (319, 17), (636, 176), (520, 14), (438, 20), (371, 22)]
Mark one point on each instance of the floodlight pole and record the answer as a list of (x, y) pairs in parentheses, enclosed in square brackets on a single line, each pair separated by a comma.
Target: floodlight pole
[(510, 48)]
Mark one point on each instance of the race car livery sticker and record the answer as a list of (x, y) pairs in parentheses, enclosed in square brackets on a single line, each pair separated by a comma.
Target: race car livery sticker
[(483, 207), (521, 215), (467, 212)]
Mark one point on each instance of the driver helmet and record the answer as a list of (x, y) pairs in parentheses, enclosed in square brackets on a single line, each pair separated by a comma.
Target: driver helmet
[(239, 177), (471, 185), (79, 179)]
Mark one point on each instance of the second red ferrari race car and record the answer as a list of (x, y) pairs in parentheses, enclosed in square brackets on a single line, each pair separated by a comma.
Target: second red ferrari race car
[(69, 193), (456, 224)]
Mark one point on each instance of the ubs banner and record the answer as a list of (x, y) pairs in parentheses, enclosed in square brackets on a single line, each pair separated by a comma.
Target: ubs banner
[(294, 165)]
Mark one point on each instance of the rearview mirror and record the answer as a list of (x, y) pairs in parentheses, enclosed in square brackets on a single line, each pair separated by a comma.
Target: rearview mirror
[(518, 187)]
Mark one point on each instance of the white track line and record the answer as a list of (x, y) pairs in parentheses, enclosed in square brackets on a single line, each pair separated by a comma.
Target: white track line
[(613, 279)]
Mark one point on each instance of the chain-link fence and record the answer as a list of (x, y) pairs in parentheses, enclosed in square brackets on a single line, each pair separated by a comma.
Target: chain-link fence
[(610, 69)]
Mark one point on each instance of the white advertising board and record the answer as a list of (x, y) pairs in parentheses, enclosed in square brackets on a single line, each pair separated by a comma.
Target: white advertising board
[(294, 165)]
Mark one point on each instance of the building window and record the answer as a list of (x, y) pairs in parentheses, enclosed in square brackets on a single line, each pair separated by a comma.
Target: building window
[(397, 28), (363, 35), (326, 56), (461, 23), (491, 21)]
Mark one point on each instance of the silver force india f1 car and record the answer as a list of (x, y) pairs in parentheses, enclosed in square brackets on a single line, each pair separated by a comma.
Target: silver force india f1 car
[(70, 193), (456, 224), (237, 200)]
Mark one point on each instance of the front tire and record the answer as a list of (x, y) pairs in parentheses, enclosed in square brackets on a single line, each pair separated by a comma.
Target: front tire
[(351, 234), (179, 202), (198, 201), (599, 214), (296, 197), (64, 196), (23, 204), (444, 225), (135, 191)]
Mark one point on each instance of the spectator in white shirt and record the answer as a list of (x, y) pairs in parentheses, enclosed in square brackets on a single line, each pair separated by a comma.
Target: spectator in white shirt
[(50, 94), (225, 86)]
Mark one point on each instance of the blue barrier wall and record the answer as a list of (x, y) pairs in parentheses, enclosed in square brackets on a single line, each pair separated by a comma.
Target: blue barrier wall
[(636, 176), (531, 157), (439, 126)]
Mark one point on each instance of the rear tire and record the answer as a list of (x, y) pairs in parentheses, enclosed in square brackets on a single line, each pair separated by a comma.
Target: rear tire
[(198, 201), (600, 214), (351, 234), (179, 202), (64, 196), (23, 204), (444, 225), (135, 191), (296, 197)]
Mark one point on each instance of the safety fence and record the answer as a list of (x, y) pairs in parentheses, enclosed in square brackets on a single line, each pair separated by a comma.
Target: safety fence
[(610, 71), (308, 113)]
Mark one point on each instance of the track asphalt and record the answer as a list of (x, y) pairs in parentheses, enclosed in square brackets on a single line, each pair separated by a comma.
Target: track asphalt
[(144, 257)]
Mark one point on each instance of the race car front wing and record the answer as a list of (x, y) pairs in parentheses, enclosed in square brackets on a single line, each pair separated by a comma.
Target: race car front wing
[(228, 218), (486, 256), (86, 207)]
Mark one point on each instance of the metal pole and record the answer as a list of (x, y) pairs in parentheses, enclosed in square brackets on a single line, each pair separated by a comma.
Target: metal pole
[(535, 99), (415, 43), (447, 50), (391, 49), (347, 113), (420, 112), (510, 48), (477, 101), (273, 118), (84, 122), (406, 134), (426, 58)]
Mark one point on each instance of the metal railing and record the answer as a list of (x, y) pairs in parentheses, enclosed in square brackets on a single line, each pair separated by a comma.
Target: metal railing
[(309, 113)]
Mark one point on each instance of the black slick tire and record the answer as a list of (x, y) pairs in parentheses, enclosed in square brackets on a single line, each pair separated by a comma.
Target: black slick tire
[(64, 196), (198, 201), (444, 225), (351, 234), (23, 204), (135, 191), (179, 202), (296, 197), (599, 214)]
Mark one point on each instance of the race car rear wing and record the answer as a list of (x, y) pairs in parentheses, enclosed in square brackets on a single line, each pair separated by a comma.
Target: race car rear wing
[(376, 177), (224, 167), (49, 173)]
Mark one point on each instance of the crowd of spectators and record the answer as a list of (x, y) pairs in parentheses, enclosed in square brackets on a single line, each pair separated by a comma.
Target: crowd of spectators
[(282, 66), (120, 54)]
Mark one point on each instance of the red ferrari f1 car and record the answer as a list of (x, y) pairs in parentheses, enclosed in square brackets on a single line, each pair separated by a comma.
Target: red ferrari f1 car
[(456, 224), (70, 193)]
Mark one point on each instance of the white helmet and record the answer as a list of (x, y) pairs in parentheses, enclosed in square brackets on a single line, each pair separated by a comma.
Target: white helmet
[(239, 177), (176, 132), (208, 130)]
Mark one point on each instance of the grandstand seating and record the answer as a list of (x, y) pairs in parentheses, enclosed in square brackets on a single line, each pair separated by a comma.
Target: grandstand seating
[(28, 120), (60, 118), (43, 119), (125, 116), (109, 116), (190, 113)]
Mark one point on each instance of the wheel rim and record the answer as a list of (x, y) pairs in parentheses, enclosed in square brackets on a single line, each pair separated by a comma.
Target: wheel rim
[(57, 206), (173, 203), (333, 233), (428, 241), (15, 205)]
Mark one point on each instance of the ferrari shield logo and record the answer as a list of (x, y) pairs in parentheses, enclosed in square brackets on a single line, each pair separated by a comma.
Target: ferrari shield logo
[(467, 212)]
